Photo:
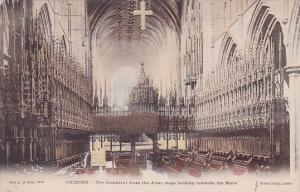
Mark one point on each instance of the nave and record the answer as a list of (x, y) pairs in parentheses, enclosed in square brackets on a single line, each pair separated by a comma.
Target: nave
[(207, 85)]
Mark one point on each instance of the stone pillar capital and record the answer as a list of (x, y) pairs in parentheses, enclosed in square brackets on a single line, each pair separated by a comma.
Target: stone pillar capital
[(292, 70)]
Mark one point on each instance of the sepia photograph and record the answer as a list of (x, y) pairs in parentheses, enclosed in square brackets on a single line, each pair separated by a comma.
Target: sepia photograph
[(149, 95)]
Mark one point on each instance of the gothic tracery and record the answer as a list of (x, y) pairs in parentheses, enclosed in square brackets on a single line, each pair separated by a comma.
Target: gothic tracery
[(236, 89)]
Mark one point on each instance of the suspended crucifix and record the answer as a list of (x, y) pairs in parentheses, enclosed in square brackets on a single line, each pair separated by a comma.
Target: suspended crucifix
[(143, 13)]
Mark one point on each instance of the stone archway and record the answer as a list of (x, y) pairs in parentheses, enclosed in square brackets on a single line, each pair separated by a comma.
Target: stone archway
[(267, 53), (293, 71), (229, 48)]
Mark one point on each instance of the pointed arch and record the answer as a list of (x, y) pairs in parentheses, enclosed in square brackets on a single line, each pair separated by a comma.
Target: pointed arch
[(45, 21), (228, 49), (265, 35)]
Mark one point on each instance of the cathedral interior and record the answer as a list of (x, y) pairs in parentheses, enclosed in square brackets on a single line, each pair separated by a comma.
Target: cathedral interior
[(215, 78)]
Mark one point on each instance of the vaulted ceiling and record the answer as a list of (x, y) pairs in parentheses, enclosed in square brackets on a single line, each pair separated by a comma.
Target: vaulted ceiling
[(119, 44), (114, 19)]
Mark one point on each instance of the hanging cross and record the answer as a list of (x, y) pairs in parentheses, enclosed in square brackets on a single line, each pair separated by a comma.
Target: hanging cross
[(143, 13)]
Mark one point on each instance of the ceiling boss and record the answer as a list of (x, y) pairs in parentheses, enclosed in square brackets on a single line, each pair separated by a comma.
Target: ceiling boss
[(143, 13)]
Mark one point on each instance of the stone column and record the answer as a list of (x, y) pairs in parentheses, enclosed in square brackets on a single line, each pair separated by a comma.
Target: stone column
[(53, 146), (186, 140), (176, 147), (190, 140), (120, 142), (167, 140), (132, 145), (8, 157), (22, 140), (111, 144), (294, 113), (155, 150), (30, 141), (92, 138)]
